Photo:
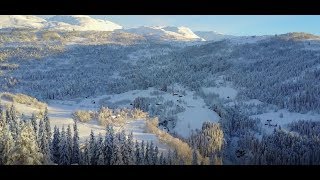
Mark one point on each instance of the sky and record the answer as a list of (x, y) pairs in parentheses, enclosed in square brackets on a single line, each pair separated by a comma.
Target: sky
[(226, 24)]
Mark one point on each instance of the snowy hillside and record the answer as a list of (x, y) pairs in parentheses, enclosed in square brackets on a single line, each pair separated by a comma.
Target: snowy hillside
[(166, 33), (80, 23), (212, 35), (196, 97), (19, 21)]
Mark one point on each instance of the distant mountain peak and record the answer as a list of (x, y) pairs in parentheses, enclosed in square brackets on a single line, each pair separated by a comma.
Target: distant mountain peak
[(21, 21), (81, 23)]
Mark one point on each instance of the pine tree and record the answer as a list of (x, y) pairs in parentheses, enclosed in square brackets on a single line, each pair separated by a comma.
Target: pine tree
[(194, 157), (109, 145), (34, 123), (147, 155), (26, 150), (45, 149), (151, 154), (86, 154), (47, 126), (12, 120), (55, 145), (155, 156), (40, 132), (161, 159), (6, 145), (138, 154), (76, 146), (143, 153), (7, 115), (69, 142), (64, 153), (92, 149), (164, 161), (1, 114), (181, 161), (124, 148), (116, 158), (175, 157), (130, 147), (169, 158), (100, 154), (3, 121)]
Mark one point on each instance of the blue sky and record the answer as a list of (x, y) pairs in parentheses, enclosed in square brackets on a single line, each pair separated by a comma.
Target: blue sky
[(227, 24)]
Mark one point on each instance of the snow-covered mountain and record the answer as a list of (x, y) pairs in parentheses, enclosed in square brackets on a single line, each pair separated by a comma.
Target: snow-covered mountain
[(212, 35), (166, 33), (61, 22), (20, 21), (80, 23)]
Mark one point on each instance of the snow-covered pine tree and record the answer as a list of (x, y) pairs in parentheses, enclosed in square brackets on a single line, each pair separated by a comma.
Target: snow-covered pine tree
[(3, 119), (6, 144), (169, 158), (47, 126), (138, 155), (100, 154), (151, 154), (34, 123), (12, 120), (147, 155), (64, 153), (7, 115), (55, 145), (194, 157), (109, 145), (45, 149), (130, 147), (40, 132), (76, 146), (175, 157), (86, 154), (1, 113), (143, 161), (116, 158), (26, 150), (124, 147), (69, 142), (155, 156), (161, 159), (92, 149)]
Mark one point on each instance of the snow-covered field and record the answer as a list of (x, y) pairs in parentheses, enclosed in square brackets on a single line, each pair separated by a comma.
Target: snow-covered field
[(196, 112), (287, 118)]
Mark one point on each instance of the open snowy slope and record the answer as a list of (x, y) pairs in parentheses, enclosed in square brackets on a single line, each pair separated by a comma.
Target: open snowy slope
[(166, 33), (282, 118), (212, 35)]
